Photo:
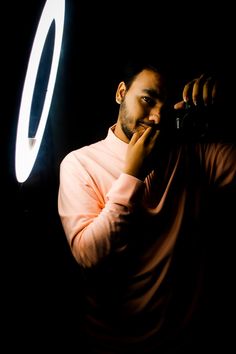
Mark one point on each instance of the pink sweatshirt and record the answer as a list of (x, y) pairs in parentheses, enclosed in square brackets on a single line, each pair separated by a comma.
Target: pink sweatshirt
[(135, 228)]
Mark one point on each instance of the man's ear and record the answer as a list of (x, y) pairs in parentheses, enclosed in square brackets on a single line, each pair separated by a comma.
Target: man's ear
[(120, 92)]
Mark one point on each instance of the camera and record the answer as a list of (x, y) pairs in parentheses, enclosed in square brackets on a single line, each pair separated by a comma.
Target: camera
[(192, 122)]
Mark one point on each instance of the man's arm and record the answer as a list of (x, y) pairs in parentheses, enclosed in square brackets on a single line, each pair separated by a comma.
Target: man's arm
[(94, 226)]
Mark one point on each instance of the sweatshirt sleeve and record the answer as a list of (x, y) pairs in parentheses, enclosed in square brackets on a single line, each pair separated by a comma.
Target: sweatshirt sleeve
[(220, 164), (94, 226)]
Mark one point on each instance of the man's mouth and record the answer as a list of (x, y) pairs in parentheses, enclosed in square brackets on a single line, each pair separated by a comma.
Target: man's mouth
[(150, 124)]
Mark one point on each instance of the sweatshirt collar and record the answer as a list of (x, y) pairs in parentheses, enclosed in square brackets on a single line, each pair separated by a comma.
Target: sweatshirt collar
[(115, 144)]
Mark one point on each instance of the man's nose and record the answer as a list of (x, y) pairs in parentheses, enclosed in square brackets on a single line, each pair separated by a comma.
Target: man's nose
[(155, 113), (155, 117)]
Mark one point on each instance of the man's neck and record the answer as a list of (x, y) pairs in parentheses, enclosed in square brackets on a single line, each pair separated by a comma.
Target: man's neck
[(119, 133)]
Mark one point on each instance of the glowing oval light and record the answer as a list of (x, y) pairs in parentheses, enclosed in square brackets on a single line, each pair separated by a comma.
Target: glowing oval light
[(27, 148)]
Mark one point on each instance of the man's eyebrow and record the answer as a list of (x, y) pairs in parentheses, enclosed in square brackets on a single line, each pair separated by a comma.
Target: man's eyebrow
[(152, 93)]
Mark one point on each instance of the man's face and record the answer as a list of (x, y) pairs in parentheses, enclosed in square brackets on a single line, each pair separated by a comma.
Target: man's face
[(142, 105)]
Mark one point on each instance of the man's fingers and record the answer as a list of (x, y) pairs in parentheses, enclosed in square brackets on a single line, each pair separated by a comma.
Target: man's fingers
[(200, 90), (134, 138), (187, 91), (215, 91), (197, 92), (207, 91), (179, 105)]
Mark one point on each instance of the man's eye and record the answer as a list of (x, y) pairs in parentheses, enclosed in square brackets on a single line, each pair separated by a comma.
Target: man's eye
[(149, 100)]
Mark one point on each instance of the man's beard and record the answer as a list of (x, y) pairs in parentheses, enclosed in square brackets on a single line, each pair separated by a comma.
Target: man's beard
[(126, 131), (125, 120)]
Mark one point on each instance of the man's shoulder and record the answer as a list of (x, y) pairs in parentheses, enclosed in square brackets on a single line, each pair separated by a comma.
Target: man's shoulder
[(84, 151)]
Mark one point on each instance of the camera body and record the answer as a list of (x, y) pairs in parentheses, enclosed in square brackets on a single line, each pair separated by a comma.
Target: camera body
[(192, 122)]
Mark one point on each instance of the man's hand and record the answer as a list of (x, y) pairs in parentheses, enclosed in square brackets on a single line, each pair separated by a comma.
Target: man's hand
[(200, 91), (139, 152)]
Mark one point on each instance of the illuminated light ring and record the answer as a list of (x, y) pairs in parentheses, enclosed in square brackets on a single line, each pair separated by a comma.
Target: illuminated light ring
[(27, 148)]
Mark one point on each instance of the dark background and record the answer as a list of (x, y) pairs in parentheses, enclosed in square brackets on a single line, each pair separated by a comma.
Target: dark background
[(40, 281)]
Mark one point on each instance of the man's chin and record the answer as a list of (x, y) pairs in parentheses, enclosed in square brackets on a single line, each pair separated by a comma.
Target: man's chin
[(141, 128), (128, 133)]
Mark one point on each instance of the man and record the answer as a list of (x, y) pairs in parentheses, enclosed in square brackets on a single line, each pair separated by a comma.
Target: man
[(135, 208)]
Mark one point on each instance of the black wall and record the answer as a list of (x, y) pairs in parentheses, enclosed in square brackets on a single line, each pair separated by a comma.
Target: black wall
[(40, 279)]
